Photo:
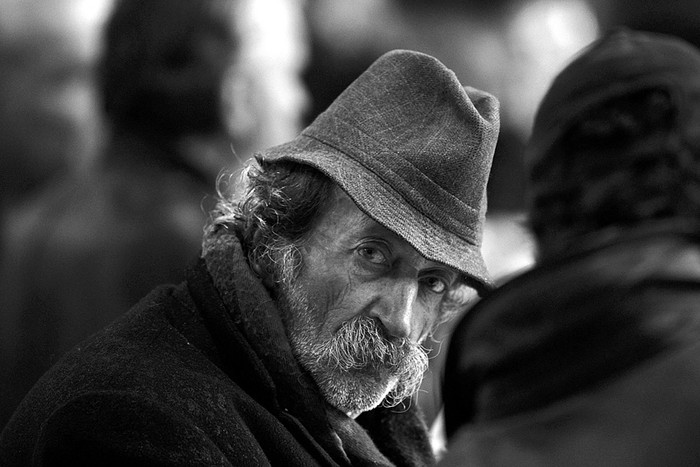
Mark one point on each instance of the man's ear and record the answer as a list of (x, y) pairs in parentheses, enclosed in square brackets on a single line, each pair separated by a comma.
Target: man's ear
[(255, 266), (262, 272)]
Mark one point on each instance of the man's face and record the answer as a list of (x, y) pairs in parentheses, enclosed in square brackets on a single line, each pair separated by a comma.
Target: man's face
[(361, 304)]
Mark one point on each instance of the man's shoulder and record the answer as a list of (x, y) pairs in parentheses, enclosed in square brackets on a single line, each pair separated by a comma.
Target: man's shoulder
[(145, 340), (148, 388), (149, 338), (140, 364)]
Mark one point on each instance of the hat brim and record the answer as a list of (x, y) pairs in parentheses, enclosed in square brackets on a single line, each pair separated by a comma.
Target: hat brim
[(378, 200)]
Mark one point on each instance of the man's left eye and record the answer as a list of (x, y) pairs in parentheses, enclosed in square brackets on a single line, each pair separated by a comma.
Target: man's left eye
[(435, 284)]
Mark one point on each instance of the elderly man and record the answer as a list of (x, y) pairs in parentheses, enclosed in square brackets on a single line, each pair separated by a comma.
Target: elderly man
[(295, 339), (593, 357)]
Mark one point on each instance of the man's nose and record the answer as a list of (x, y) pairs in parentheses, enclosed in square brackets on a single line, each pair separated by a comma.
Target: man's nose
[(397, 310)]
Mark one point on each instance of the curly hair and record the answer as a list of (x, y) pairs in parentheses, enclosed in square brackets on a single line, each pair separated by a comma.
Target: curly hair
[(273, 211), (619, 164)]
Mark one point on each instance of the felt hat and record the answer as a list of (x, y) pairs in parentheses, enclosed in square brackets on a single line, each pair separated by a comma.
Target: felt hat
[(413, 149), (618, 64)]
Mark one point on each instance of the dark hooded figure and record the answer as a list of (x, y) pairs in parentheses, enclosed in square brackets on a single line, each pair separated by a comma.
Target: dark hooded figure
[(593, 357)]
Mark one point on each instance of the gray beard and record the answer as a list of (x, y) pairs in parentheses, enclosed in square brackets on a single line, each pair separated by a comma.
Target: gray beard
[(360, 366)]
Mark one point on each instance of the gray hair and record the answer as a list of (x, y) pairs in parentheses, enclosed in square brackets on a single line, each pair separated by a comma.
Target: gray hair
[(272, 208)]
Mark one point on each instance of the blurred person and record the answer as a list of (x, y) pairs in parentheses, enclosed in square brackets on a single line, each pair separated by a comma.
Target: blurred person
[(49, 123), (95, 242), (48, 115), (295, 339), (593, 357)]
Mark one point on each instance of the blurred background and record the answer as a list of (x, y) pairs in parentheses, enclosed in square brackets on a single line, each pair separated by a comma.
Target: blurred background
[(114, 127)]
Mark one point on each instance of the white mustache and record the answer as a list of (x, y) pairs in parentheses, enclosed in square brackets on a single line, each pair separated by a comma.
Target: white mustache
[(362, 342)]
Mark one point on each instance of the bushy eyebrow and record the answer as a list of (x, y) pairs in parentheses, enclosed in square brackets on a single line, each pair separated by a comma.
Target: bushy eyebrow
[(374, 227), (448, 272)]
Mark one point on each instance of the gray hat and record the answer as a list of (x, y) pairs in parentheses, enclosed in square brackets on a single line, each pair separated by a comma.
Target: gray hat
[(618, 64), (413, 149)]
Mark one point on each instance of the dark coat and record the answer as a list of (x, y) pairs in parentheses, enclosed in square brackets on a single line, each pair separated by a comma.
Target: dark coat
[(590, 359), (182, 380)]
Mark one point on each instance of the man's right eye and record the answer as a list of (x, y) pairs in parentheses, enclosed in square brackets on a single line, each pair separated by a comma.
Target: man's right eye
[(372, 254)]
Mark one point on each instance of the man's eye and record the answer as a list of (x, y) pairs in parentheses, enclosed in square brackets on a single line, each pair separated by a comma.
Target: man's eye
[(373, 255), (435, 284)]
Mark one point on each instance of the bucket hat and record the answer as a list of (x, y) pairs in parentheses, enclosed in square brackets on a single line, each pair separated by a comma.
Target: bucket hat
[(413, 149), (620, 63)]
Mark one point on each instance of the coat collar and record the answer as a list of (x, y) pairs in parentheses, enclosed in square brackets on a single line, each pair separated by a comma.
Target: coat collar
[(255, 351)]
